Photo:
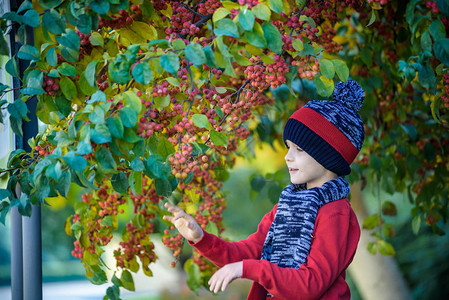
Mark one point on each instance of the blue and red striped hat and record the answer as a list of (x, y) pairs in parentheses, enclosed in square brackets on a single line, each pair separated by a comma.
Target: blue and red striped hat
[(330, 131)]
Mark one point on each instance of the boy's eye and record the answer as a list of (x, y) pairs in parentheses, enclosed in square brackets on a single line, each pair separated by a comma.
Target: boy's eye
[(299, 149)]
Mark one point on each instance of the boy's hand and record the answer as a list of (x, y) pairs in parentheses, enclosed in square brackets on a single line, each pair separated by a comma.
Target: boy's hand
[(185, 223), (223, 277)]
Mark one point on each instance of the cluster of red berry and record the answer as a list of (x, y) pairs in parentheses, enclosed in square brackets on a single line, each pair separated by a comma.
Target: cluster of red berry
[(50, 85), (264, 75), (136, 243), (123, 19), (43, 151), (209, 7), (445, 95)]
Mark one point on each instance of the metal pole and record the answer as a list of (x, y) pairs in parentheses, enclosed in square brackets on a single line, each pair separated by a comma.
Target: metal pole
[(16, 217), (31, 244), (16, 255), (32, 255)]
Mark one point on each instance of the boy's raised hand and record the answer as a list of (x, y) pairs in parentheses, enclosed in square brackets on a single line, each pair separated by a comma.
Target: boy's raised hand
[(185, 223)]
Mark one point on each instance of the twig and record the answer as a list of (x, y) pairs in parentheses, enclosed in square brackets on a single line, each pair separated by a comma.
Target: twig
[(236, 100)]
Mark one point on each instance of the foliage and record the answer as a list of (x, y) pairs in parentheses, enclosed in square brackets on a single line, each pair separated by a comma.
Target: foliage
[(147, 101)]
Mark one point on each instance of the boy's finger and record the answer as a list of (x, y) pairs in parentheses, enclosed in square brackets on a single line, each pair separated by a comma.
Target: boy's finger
[(168, 218)]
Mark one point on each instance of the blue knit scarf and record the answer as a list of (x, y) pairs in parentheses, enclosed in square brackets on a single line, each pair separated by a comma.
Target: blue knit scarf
[(290, 235)]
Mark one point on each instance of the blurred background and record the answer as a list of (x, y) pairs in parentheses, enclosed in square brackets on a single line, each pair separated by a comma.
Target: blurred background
[(421, 260)]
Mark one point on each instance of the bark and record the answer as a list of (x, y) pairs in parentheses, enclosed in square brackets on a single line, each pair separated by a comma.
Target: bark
[(377, 277)]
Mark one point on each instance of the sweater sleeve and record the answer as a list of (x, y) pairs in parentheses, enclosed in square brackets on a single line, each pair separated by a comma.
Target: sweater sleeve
[(335, 240), (221, 252)]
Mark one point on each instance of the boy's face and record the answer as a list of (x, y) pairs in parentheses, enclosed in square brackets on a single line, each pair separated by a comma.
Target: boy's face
[(303, 168)]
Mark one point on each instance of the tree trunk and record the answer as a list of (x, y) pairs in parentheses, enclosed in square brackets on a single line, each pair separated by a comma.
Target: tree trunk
[(377, 277)]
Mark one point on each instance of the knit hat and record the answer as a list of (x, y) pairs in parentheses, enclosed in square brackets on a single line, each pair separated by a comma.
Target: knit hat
[(330, 131)]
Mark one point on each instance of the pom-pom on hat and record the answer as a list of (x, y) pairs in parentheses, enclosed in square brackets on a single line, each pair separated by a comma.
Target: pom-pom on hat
[(330, 131)]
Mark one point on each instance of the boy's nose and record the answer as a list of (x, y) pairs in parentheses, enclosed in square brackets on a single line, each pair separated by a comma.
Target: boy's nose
[(288, 156)]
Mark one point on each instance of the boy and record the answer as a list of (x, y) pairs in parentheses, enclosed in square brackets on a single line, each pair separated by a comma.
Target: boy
[(302, 248)]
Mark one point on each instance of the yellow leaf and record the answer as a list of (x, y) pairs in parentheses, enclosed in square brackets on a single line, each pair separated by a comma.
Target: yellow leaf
[(220, 14), (68, 226), (191, 208), (137, 33), (194, 197)]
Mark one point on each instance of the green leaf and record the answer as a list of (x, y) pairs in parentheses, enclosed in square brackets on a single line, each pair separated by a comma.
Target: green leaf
[(4, 193), (96, 39), (327, 68), (67, 70), (128, 117), (100, 134), (113, 292), (220, 13), (375, 162), (120, 183), (426, 41), (219, 138), (52, 57), (163, 187), (298, 45), (115, 126), (437, 30), (257, 183), (143, 73), (443, 6), (158, 168), (226, 27), (100, 6), (262, 12), (276, 6), (341, 69), (416, 224), (63, 105), (410, 130), (385, 248), (69, 39), (193, 275), (105, 159), (98, 96), (28, 52), (18, 109), (160, 102), (170, 62), (16, 125), (127, 280), (201, 121), (372, 18), (4, 48), (12, 16), (68, 88), (49, 3), (165, 148), (246, 19), (11, 67), (70, 55), (324, 86), (256, 37), (25, 6), (366, 55), (194, 53), (31, 18), (441, 48), (372, 248), (273, 37), (89, 74), (371, 222), (75, 162), (137, 165)]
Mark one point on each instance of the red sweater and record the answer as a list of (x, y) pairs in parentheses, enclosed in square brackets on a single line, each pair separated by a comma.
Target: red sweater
[(335, 238)]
